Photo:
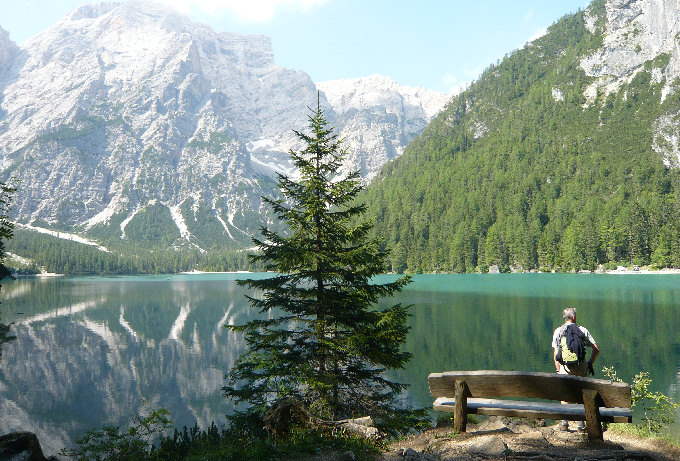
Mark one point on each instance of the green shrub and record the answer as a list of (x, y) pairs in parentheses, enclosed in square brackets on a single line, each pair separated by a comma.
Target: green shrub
[(244, 440), (658, 410), (110, 443)]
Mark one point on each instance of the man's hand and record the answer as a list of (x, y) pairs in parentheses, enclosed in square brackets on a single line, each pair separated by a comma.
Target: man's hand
[(590, 369)]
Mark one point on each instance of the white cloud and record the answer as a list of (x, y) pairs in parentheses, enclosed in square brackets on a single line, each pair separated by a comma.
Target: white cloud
[(538, 34), (459, 81), (454, 84), (245, 10)]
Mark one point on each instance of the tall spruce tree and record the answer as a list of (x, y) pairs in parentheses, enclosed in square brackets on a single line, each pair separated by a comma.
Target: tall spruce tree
[(323, 340)]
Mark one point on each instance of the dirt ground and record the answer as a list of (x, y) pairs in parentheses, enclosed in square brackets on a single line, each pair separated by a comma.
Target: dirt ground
[(518, 439)]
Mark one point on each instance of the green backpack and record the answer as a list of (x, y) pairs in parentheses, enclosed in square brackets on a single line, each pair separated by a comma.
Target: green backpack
[(571, 346)]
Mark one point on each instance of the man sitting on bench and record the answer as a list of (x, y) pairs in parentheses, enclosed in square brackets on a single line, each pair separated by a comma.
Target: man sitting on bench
[(569, 342)]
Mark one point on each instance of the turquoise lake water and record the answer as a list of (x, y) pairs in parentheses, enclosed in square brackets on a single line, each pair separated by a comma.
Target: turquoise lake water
[(88, 350)]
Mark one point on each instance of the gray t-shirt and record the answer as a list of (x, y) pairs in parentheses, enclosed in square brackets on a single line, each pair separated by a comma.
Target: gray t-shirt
[(558, 332)]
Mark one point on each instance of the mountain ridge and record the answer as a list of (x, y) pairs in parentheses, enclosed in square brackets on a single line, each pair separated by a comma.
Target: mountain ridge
[(161, 131)]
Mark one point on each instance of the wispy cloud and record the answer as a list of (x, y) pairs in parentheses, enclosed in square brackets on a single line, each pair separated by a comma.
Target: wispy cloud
[(454, 84), (538, 34), (459, 81), (244, 10)]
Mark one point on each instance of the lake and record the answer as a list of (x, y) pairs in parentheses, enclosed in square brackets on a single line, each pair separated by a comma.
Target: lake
[(89, 350)]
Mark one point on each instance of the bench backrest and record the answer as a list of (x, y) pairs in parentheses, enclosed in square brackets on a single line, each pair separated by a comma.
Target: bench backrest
[(548, 386)]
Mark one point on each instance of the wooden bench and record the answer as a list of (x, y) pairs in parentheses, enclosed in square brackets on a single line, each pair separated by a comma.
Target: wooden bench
[(485, 392)]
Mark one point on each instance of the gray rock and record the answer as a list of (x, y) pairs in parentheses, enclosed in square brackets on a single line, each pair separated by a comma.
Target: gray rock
[(486, 445), (493, 424), (8, 51), (20, 446), (348, 456), (636, 32), (410, 454)]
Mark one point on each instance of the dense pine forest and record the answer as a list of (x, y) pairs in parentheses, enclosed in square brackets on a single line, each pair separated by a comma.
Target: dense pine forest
[(519, 171), (61, 256)]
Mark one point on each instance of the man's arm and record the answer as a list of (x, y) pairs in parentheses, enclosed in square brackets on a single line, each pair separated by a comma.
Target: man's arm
[(596, 352), (557, 364)]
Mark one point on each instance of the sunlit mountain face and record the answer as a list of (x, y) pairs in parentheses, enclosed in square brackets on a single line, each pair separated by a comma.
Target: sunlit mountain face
[(125, 112)]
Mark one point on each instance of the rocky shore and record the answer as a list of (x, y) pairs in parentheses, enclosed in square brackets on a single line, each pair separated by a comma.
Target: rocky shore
[(507, 439)]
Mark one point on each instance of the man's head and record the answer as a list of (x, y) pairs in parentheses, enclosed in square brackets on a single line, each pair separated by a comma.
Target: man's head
[(569, 314)]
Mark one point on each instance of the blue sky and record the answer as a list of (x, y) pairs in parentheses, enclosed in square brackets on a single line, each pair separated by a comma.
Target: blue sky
[(436, 44)]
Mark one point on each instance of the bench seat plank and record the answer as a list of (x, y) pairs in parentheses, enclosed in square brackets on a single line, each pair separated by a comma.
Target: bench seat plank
[(547, 386), (527, 409)]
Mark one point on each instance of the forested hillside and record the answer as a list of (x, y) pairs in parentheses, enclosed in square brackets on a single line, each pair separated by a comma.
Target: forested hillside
[(52, 254), (523, 171)]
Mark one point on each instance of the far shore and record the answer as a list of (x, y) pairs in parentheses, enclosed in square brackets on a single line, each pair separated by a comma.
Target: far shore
[(644, 271), (620, 271), (197, 272)]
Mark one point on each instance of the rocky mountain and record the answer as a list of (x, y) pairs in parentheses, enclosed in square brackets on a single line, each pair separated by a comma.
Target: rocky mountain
[(636, 33), (126, 122), (377, 117), (563, 156), (8, 51)]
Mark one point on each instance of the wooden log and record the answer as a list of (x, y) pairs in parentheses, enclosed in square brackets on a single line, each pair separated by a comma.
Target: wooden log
[(358, 426), (460, 410), (349, 427), (616, 415), (593, 422)]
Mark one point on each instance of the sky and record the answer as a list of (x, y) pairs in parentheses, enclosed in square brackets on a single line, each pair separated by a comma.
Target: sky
[(435, 44)]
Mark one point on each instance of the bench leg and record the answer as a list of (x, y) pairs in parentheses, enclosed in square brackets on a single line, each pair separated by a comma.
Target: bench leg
[(460, 409), (593, 422)]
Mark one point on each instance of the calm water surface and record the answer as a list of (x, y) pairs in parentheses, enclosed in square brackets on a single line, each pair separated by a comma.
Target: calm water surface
[(88, 350)]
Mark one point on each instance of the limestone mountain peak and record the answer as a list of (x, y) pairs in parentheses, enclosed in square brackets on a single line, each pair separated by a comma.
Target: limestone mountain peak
[(121, 111)]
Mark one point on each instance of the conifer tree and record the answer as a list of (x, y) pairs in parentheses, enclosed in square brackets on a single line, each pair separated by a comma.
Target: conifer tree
[(320, 336), (6, 232)]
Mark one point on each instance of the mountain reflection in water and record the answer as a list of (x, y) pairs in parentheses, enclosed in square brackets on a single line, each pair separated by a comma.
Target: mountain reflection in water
[(89, 350)]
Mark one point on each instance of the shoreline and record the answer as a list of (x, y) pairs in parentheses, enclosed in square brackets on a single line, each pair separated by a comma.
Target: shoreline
[(643, 272), (665, 271), (197, 272)]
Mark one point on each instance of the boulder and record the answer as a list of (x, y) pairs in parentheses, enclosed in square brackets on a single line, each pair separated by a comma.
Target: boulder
[(410, 454), (290, 413), (20, 446)]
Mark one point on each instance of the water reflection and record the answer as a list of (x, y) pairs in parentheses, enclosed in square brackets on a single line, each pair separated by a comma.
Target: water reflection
[(104, 346), (5, 335), (89, 350)]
